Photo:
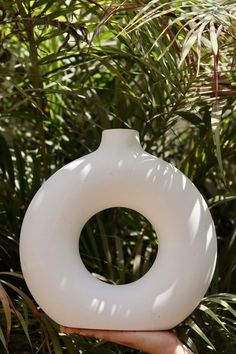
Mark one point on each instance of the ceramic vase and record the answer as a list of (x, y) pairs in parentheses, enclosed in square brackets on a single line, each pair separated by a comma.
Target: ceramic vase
[(118, 174)]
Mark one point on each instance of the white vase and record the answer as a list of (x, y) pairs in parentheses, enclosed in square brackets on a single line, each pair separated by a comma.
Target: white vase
[(118, 174)]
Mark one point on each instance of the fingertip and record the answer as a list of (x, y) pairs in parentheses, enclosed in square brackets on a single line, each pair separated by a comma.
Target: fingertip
[(62, 329), (65, 329)]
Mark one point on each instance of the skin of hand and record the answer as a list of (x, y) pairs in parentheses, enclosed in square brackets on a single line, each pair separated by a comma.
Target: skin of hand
[(153, 342)]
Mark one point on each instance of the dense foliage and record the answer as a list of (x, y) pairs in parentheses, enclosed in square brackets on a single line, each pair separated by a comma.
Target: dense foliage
[(68, 70)]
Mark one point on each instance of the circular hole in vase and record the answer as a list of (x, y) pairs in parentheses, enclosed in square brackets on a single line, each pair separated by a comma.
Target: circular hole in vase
[(118, 245)]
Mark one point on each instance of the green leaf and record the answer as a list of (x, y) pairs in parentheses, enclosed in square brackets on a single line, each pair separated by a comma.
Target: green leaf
[(13, 274), (220, 199), (6, 309), (3, 340), (215, 124), (199, 44), (53, 335), (36, 181), (23, 324), (70, 346), (26, 299), (213, 315), (213, 38), (187, 46), (193, 118), (20, 164), (224, 304), (105, 246), (198, 330), (6, 161)]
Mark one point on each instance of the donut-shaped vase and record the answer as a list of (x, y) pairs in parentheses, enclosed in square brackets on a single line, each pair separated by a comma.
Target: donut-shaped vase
[(118, 174)]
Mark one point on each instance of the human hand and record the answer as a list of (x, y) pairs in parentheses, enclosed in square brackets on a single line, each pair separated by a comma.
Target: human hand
[(153, 342)]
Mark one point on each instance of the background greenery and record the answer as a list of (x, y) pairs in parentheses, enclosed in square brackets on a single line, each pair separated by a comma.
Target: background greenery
[(68, 70)]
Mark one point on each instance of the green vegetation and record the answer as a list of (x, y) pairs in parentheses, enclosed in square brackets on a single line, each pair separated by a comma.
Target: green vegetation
[(68, 70)]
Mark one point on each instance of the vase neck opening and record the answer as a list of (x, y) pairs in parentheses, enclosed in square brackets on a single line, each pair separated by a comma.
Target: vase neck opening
[(120, 138)]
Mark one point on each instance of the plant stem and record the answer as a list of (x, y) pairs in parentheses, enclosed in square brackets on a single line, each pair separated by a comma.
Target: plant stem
[(36, 81)]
